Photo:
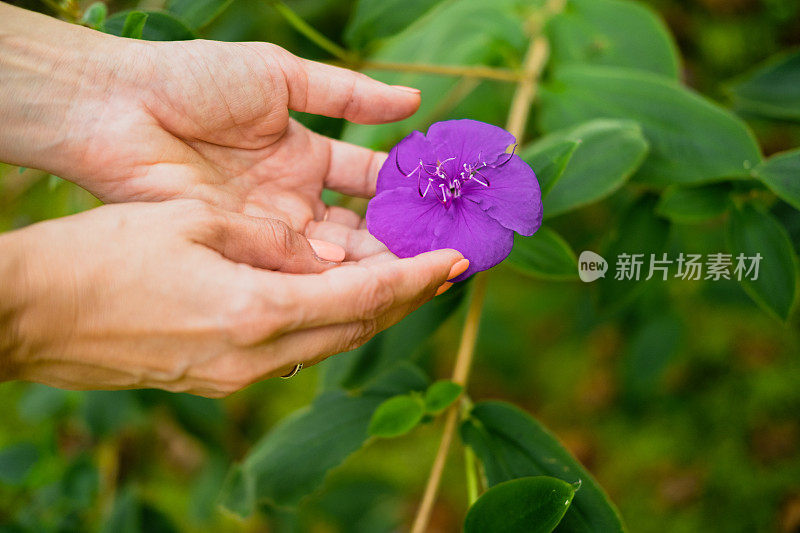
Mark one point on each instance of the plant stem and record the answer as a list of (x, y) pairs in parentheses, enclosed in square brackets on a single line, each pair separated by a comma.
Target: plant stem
[(463, 71), (312, 34), (533, 65), (466, 349), (471, 469)]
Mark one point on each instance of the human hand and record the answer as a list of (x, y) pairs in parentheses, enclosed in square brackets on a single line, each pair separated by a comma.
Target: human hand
[(135, 120), (163, 295)]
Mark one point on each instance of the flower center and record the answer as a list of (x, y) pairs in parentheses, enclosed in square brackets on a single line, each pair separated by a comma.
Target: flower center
[(433, 179)]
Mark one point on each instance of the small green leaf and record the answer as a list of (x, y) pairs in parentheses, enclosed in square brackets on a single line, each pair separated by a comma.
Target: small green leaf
[(692, 140), (544, 255), (770, 91), (40, 402), (752, 232), (613, 32), (159, 26), (16, 461), (105, 412), (198, 13), (690, 205), (134, 25), (528, 504), (608, 153), (652, 348), (440, 395), (396, 416), (95, 16), (511, 444), (80, 482), (549, 161), (781, 173), (131, 514)]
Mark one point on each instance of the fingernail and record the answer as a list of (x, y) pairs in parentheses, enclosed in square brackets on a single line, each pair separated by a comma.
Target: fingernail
[(443, 289), (327, 251), (459, 268), (407, 89)]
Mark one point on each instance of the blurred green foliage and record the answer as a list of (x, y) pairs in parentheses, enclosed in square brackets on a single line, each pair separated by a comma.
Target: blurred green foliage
[(681, 397)]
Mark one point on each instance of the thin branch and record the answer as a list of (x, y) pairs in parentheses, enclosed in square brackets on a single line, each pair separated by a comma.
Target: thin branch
[(466, 349), (462, 71), (533, 65)]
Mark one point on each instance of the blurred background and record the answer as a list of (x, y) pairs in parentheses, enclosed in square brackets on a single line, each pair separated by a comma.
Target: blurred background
[(684, 404)]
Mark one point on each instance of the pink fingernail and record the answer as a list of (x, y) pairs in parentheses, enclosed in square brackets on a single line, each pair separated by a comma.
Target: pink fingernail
[(444, 287), (459, 268), (407, 89), (327, 251)]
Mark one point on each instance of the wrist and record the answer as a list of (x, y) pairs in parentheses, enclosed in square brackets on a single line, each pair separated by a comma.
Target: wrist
[(53, 79)]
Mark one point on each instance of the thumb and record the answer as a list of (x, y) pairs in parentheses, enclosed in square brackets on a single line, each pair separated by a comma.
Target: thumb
[(337, 92), (271, 244)]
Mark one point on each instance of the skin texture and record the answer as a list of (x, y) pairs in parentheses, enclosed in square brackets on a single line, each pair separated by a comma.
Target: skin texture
[(205, 282)]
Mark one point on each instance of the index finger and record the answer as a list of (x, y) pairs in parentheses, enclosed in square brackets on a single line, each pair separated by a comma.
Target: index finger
[(365, 292)]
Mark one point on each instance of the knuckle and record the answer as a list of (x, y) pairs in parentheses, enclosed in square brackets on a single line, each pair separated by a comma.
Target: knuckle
[(249, 320), (361, 333), (281, 234)]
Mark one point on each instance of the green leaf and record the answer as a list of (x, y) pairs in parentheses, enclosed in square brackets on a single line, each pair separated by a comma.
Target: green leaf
[(133, 515), (528, 504), (159, 26), (692, 140), (781, 173), (641, 233), (494, 31), (198, 13), (751, 232), (399, 343), (80, 482), (549, 160), (608, 153), (770, 91), (95, 16), (511, 445), (613, 32), (690, 205), (396, 416), (544, 255), (16, 461), (293, 459), (378, 19), (105, 412), (652, 348), (134, 25), (441, 395), (40, 402)]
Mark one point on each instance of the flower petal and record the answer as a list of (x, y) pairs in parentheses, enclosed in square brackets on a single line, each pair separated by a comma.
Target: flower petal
[(469, 141), (404, 159), (513, 197), (479, 238), (404, 222)]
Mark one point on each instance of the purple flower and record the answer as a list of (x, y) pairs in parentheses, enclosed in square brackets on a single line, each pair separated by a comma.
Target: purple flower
[(455, 188)]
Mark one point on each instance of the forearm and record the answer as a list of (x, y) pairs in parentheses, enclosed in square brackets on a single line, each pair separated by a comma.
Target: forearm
[(49, 72), (11, 303)]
